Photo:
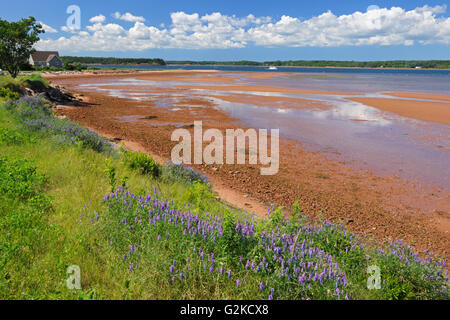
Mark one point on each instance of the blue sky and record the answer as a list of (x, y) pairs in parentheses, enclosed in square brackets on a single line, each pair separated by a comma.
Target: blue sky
[(178, 30)]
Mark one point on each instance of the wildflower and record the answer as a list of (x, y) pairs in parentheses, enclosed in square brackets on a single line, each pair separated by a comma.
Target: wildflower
[(238, 282), (159, 238), (261, 286)]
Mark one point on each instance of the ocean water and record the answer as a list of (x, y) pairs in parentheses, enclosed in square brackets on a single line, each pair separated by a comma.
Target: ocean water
[(338, 79)]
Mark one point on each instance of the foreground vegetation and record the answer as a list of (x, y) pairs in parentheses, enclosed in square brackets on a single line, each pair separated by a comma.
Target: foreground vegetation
[(32, 81), (141, 230)]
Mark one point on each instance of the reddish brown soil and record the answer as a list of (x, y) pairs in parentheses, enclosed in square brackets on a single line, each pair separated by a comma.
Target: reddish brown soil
[(379, 208)]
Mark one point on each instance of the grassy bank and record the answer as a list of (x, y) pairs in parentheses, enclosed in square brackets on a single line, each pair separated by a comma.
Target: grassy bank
[(33, 81), (141, 230)]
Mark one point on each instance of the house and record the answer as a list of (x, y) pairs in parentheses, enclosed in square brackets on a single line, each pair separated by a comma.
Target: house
[(46, 59)]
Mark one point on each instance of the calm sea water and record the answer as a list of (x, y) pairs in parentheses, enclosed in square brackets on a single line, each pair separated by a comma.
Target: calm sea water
[(338, 79), (441, 73)]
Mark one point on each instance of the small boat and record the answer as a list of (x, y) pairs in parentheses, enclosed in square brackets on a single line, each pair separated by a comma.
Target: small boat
[(273, 68)]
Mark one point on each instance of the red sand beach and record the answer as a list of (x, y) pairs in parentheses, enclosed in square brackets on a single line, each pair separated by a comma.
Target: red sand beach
[(329, 185)]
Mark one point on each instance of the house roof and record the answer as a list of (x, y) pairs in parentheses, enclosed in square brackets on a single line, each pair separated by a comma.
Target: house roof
[(50, 57), (44, 56)]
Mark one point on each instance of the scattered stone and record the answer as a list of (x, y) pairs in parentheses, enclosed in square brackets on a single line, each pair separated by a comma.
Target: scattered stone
[(149, 117)]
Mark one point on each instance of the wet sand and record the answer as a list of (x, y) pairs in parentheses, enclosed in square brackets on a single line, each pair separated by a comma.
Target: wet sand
[(328, 184), (420, 110), (414, 95), (264, 89)]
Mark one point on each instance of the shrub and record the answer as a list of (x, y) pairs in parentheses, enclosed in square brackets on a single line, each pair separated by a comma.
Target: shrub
[(19, 179), (179, 172), (142, 162), (36, 116), (8, 82), (199, 195), (13, 137), (8, 94), (75, 66)]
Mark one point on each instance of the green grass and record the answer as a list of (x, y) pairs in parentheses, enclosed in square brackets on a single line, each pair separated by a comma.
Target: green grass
[(74, 178), (53, 215), (33, 81)]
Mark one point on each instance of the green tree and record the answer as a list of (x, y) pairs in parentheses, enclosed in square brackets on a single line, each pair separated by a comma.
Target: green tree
[(16, 43)]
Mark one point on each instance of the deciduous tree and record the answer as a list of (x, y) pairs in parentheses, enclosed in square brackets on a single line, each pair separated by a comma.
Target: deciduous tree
[(16, 43)]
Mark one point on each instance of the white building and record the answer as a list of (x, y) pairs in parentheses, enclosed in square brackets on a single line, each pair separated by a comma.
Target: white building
[(46, 59)]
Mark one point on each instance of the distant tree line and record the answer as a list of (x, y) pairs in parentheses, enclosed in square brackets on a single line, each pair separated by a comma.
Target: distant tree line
[(425, 64), (112, 61), (408, 64)]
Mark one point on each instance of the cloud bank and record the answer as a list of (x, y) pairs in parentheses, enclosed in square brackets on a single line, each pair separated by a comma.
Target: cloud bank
[(377, 26)]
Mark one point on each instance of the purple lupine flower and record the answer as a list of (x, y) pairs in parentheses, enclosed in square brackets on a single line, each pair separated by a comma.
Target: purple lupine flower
[(229, 274), (261, 286), (159, 238), (238, 282), (171, 269)]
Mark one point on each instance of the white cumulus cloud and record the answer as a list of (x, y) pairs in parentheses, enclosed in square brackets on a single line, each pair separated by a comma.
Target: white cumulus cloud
[(128, 17), (98, 19), (377, 26)]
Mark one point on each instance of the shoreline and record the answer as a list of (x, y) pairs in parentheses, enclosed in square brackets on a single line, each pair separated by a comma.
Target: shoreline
[(325, 184), (266, 66)]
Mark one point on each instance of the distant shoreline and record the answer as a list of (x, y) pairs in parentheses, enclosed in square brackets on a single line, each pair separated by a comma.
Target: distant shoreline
[(244, 65)]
